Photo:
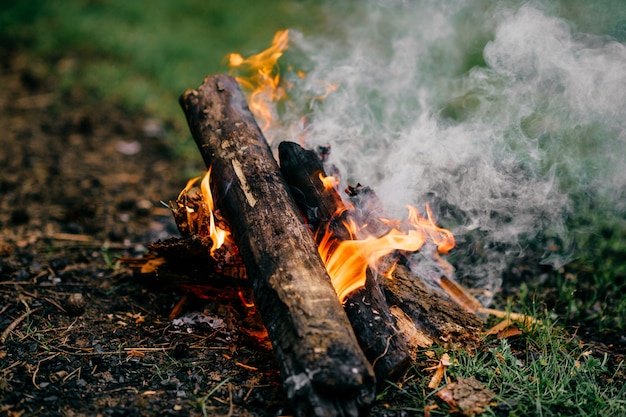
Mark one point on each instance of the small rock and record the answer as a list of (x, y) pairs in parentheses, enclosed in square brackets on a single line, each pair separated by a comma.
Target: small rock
[(75, 304), (153, 128), (128, 147)]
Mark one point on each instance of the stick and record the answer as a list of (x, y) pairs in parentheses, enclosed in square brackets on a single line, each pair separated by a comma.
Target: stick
[(15, 323)]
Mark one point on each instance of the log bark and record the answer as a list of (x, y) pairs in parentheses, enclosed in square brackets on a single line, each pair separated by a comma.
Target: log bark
[(302, 169), (324, 371), (440, 318)]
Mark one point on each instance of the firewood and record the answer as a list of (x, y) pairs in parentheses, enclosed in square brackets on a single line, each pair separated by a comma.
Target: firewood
[(446, 316), (323, 369), (376, 330), (369, 314), (431, 312), (440, 318), (304, 171)]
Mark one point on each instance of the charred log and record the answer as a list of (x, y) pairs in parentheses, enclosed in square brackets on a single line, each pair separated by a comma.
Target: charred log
[(304, 171), (377, 331), (323, 369), (366, 307), (440, 318)]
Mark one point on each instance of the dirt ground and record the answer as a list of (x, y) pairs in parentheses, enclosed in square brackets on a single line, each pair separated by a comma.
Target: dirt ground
[(80, 187)]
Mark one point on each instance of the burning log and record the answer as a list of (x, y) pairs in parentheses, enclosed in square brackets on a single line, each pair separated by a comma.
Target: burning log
[(323, 369), (366, 307), (439, 318), (376, 330), (451, 319)]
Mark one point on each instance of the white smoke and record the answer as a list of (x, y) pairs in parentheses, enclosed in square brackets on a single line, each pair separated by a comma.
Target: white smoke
[(505, 141)]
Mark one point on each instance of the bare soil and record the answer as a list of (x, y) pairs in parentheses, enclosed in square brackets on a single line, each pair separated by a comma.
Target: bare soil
[(80, 186)]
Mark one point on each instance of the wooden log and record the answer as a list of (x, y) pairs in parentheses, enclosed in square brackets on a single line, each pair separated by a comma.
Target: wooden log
[(324, 371), (367, 310), (440, 318), (303, 171), (376, 331), (447, 316)]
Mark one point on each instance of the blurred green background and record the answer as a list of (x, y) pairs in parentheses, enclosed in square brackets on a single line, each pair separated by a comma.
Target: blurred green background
[(143, 54)]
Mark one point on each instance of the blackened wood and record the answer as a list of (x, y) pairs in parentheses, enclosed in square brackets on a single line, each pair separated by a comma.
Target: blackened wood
[(376, 331), (322, 208), (323, 369), (367, 310)]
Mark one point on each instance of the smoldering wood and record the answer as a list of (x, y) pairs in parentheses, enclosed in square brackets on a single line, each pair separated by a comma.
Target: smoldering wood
[(186, 263), (367, 310), (324, 371), (448, 316), (432, 313)]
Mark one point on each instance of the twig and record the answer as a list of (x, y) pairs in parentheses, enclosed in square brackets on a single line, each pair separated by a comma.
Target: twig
[(73, 237), (178, 308), (248, 367), (230, 399), (51, 301), (5, 308), (75, 371), (13, 365), (16, 283), (384, 352), (16, 322), (35, 375), (140, 349)]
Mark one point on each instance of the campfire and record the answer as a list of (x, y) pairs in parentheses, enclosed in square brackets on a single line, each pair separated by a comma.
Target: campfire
[(330, 274)]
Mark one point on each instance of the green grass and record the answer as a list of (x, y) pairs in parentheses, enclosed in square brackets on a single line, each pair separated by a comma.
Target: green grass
[(143, 55), (590, 290), (542, 372)]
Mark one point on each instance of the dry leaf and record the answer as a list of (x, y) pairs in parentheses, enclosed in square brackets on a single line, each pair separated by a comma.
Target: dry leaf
[(509, 332), (466, 395)]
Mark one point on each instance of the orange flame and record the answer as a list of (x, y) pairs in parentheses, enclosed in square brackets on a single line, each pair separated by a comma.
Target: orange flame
[(198, 212), (218, 235), (264, 81), (347, 260), (330, 182)]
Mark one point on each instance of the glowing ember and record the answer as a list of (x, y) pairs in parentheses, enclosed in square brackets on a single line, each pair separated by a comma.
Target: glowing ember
[(263, 83), (347, 260)]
